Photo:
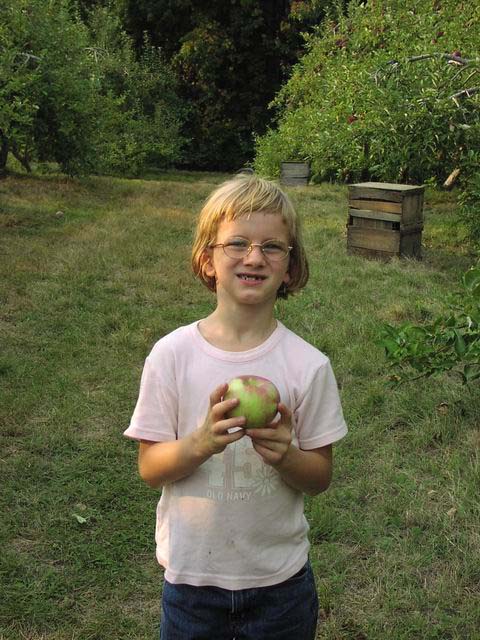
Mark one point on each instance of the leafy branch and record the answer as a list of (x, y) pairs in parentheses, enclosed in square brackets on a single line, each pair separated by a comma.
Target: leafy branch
[(451, 343), (465, 93), (452, 58)]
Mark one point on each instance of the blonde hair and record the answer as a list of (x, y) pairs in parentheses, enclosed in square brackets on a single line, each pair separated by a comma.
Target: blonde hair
[(242, 195)]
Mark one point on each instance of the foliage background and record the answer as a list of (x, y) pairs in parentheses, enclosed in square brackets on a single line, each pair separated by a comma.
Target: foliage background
[(114, 87), (230, 58)]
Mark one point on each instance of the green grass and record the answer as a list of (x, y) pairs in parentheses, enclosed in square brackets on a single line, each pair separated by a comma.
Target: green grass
[(93, 272)]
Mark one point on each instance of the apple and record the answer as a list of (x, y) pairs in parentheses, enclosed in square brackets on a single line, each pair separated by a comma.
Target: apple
[(258, 399)]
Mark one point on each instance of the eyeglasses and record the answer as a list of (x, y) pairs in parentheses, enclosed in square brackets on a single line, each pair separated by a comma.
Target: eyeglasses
[(241, 248)]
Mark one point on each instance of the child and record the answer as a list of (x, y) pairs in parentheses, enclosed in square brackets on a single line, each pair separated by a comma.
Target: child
[(231, 532)]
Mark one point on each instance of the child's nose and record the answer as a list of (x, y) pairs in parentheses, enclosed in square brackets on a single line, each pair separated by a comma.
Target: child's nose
[(255, 254)]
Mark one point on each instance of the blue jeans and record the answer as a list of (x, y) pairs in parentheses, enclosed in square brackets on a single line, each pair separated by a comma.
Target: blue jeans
[(285, 611)]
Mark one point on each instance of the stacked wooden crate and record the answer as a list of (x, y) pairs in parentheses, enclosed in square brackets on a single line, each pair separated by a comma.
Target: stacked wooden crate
[(385, 220)]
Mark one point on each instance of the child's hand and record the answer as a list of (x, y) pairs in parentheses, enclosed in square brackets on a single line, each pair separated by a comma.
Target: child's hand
[(213, 436), (273, 442)]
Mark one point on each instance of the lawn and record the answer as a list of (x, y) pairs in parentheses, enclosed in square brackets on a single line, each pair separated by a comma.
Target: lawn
[(93, 272)]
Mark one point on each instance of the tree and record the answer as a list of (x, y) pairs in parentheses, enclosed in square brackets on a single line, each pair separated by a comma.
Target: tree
[(47, 96), (137, 95), (75, 93), (385, 92), (18, 71)]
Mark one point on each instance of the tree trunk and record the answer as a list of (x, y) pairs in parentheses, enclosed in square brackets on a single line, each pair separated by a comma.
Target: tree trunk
[(23, 159), (4, 148)]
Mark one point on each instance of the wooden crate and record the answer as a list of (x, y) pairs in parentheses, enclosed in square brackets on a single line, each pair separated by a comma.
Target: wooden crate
[(385, 220), (295, 174)]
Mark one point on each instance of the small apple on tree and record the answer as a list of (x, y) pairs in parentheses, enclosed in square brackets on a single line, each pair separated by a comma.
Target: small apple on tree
[(258, 399)]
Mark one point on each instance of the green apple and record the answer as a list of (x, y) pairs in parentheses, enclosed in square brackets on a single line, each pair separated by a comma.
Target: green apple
[(258, 399)]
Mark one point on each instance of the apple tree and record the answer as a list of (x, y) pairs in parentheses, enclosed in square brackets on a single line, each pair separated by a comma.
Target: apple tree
[(47, 97), (73, 92), (388, 92)]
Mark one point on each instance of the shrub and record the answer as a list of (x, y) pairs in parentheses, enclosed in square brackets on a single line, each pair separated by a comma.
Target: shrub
[(450, 343)]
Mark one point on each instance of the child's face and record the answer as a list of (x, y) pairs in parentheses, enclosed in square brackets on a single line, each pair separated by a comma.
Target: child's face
[(254, 278)]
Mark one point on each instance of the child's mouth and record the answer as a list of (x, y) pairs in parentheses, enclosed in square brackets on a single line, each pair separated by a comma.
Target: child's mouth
[(250, 278)]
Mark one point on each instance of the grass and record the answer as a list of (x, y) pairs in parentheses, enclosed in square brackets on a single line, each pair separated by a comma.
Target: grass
[(93, 272)]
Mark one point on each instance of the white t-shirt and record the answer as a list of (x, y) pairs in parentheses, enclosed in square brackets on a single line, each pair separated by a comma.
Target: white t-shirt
[(233, 523)]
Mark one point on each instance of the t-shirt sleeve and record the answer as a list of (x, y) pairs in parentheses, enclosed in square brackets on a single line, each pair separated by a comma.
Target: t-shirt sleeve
[(155, 414), (319, 417)]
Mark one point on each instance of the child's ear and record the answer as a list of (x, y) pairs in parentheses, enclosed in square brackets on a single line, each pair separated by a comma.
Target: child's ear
[(286, 278), (207, 264)]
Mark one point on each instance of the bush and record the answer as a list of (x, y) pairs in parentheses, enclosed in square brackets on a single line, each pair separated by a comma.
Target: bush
[(450, 343)]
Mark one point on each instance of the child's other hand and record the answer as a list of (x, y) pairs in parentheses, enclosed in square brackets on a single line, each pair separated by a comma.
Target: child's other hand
[(213, 435), (273, 442)]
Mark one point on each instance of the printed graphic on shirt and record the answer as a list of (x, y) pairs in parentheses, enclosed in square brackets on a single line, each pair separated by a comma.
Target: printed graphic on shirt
[(238, 473)]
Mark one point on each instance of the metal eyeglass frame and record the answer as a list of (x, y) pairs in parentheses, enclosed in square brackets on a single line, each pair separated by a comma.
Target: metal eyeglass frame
[(250, 249)]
